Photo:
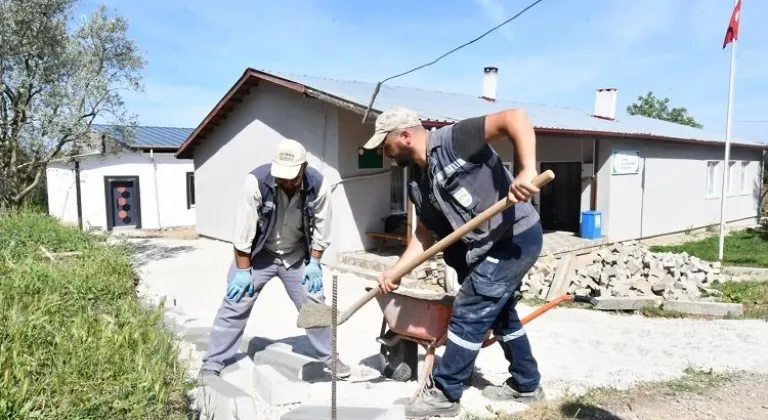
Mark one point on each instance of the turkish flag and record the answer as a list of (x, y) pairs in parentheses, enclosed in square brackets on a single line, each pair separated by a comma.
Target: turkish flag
[(732, 33)]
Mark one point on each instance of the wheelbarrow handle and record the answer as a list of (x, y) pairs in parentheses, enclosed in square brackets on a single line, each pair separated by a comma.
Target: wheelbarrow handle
[(542, 179)]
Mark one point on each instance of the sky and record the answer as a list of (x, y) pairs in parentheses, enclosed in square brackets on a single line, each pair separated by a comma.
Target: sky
[(556, 53)]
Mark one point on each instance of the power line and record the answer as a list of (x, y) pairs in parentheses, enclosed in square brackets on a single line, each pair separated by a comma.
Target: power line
[(378, 85), (751, 121)]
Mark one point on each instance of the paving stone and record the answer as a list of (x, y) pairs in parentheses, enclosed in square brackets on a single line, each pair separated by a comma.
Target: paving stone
[(562, 277), (276, 389), (318, 412), (704, 308), (220, 400), (292, 365), (626, 303)]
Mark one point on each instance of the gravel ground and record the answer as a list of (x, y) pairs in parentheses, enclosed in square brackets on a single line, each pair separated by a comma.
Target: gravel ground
[(577, 349), (698, 396)]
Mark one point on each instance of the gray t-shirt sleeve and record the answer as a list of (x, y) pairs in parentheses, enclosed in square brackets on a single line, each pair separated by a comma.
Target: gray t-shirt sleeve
[(469, 137)]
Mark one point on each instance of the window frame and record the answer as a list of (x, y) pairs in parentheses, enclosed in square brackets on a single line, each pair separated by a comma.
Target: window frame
[(190, 180)]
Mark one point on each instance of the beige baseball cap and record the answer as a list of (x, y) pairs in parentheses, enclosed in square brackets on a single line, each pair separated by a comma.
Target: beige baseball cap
[(288, 158), (392, 119)]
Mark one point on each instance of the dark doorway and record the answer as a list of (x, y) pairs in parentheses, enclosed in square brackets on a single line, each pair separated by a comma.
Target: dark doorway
[(560, 207), (123, 204)]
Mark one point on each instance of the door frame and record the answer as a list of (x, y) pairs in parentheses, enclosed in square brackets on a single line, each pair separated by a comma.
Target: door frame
[(108, 179), (581, 167)]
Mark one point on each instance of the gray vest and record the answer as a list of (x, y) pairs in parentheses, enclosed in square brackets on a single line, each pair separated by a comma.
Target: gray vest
[(452, 191), (268, 211)]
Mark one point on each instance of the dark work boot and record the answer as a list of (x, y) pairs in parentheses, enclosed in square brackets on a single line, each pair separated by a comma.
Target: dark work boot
[(505, 392), (432, 403)]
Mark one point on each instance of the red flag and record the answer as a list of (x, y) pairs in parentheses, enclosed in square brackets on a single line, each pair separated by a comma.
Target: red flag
[(732, 33)]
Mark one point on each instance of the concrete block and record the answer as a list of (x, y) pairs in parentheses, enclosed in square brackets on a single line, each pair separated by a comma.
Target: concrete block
[(276, 389), (626, 303), (562, 279), (704, 308), (319, 412), (290, 364), (220, 400)]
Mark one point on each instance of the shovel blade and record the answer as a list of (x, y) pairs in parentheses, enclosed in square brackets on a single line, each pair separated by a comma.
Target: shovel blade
[(314, 315)]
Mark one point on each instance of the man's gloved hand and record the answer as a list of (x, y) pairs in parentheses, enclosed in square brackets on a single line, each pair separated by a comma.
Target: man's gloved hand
[(314, 274), (240, 283)]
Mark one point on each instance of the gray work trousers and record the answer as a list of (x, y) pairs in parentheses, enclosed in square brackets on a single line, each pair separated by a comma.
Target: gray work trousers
[(232, 317)]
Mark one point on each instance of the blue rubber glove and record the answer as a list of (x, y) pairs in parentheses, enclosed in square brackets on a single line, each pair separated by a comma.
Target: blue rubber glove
[(314, 274), (241, 282)]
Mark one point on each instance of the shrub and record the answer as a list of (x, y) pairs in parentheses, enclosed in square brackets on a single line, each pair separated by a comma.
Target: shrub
[(75, 341)]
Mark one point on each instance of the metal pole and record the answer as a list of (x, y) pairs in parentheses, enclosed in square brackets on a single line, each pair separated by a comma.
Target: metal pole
[(334, 321), (727, 157)]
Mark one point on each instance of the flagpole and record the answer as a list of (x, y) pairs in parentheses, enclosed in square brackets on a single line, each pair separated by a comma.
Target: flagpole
[(727, 158)]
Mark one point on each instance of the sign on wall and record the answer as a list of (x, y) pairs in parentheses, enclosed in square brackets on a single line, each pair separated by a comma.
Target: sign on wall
[(625, 162)]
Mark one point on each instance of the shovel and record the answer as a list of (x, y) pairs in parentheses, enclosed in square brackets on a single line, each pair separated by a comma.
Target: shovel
[(317, 315)]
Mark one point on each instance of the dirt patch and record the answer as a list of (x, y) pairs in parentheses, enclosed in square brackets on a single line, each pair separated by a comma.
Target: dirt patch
[(697, 395)]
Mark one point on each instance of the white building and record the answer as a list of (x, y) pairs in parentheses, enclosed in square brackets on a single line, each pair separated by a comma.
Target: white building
[(139, 186), (645, 176)]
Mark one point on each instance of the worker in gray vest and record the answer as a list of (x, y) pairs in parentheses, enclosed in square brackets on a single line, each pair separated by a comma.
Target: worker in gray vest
[(462, 176), (282, 228)]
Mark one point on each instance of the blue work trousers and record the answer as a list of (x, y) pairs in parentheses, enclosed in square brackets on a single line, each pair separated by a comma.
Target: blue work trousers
[(485, 301)]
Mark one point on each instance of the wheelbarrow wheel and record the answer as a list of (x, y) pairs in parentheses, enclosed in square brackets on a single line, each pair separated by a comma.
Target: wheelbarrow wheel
[(399, 362)]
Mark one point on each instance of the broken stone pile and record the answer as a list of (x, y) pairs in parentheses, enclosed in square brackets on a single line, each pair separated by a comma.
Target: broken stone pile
[(431, 274), (626, 269)]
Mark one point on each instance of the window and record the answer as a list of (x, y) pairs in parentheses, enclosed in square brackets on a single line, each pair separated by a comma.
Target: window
[(733, 178), (190, 190), (744, 177), (712, 179)]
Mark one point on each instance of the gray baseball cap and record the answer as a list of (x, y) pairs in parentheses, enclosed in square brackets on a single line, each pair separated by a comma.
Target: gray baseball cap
[(391, 119)]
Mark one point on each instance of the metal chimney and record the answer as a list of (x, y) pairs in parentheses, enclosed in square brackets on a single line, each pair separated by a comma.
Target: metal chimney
[(605, 103), (490, 82)]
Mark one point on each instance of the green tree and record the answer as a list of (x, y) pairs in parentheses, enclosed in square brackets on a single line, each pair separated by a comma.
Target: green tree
[(57, 75), (653, 107)]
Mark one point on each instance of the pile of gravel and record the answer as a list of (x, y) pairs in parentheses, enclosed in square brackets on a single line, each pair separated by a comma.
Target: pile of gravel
[(627, 269)]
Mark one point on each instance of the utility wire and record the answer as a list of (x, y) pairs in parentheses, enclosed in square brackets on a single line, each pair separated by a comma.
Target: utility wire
[(378, 85)]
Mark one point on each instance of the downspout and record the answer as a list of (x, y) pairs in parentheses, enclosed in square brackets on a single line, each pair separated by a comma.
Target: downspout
[(78, 195), (157, 194), (595, 146)]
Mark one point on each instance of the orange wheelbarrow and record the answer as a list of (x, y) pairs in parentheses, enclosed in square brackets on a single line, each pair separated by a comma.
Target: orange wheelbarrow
[(415, 320)]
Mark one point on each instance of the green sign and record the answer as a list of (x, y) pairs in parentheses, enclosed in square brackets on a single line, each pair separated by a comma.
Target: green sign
[(370, 159)]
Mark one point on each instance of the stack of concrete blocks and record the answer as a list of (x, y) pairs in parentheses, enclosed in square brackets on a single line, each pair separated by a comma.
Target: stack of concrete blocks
[(623, 270), (282, 377), (432, 272)]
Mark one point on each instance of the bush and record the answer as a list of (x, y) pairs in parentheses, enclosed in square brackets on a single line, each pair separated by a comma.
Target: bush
[(75, 341)]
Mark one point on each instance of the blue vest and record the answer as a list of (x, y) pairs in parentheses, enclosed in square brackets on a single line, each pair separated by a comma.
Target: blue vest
[(451, 191), (268, 211)]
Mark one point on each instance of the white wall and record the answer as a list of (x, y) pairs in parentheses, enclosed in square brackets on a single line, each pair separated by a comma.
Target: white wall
[(669, 192), (170, 192), (62, 197), (363, 199)]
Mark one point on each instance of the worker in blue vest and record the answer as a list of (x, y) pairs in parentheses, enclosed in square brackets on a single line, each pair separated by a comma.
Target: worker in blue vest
[(462, 176), (282, 228)]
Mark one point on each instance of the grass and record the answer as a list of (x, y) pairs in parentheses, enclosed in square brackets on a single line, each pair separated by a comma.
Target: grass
[(75, 340), (743, 248), (594, 403), (752, 294)]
